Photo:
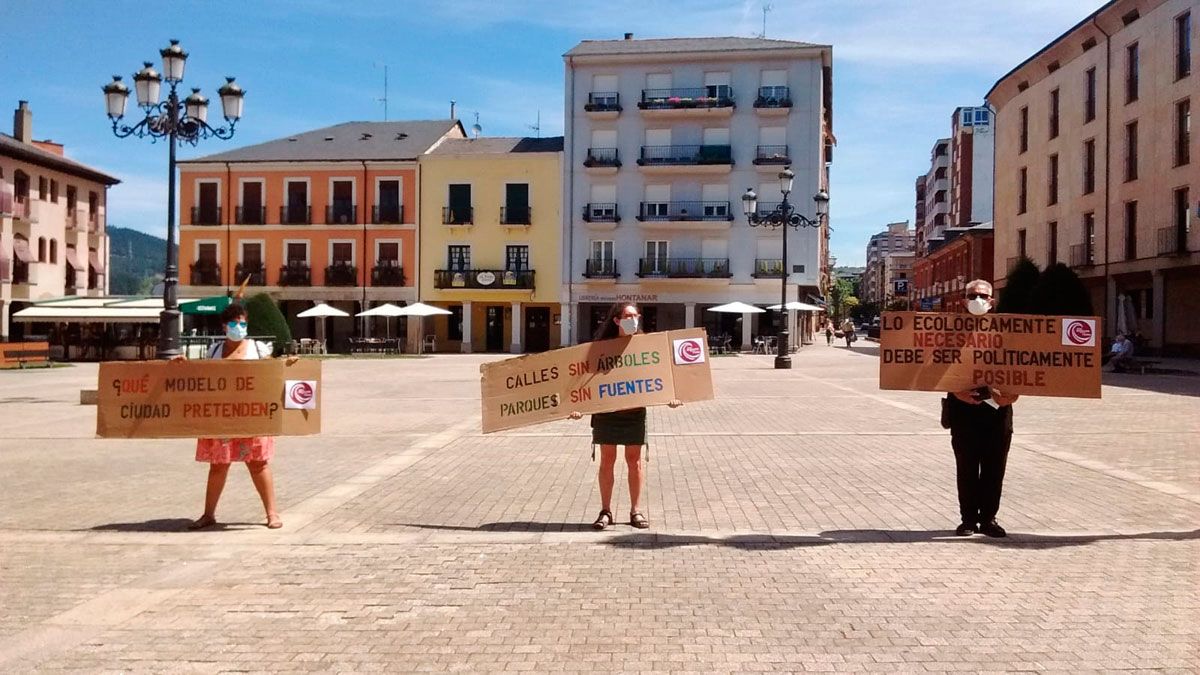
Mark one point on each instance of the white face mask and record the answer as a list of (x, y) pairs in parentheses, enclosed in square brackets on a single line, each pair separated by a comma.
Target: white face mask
[(629, 326), (979, 306)]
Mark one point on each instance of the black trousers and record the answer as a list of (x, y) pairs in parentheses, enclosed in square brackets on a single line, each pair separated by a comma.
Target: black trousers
[(980, 461)]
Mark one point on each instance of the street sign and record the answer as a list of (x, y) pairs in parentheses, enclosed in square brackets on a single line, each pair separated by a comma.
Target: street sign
[(926, 304), (901, 286)]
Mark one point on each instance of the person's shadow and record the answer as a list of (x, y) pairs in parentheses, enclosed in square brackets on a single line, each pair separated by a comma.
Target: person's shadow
[(164, 525)]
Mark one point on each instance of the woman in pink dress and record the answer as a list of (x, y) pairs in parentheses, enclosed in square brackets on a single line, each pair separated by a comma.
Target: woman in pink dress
[(255, 451)]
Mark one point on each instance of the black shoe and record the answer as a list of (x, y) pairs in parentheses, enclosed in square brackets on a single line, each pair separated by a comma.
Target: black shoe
[(992, 529), (964, 530)]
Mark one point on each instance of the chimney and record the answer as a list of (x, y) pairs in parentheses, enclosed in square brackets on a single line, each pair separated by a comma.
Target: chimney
[(452, 111), (629, 36), (23, 123)]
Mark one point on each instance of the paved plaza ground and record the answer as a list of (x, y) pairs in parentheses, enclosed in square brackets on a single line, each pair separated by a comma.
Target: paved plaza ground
[(801, 521)]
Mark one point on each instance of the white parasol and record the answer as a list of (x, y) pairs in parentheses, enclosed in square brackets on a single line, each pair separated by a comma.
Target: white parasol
[(422, 310), (322, 311), (737, 308), (386, 310)]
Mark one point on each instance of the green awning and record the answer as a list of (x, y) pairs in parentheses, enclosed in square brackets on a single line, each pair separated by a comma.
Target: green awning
[(206, 306)]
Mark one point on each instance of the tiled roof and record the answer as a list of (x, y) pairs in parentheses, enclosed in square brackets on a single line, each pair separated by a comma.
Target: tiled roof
[(498, 145), (683, 45), (349, 141), (11, 147)]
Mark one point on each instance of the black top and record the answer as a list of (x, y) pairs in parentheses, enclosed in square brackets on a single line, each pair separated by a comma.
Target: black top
[(978, 419)]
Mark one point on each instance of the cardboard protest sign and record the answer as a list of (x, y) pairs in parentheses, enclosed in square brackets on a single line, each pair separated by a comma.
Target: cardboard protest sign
[(212, 398), (1016, 353), (603, 376)]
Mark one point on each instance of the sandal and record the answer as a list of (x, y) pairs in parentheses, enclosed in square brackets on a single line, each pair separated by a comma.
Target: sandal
[(639, 521), (603, 520), (202, 523), (274, 522)]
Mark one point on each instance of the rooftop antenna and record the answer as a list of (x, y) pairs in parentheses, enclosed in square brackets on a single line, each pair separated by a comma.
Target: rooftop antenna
[(476, 130), (537, 126), (767, 7), (384, 100)]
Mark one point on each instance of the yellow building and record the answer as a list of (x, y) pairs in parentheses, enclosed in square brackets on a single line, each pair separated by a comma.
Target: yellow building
[(491, 244)]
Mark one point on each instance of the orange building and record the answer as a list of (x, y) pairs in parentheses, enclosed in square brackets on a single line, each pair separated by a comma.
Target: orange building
[(328, 215)]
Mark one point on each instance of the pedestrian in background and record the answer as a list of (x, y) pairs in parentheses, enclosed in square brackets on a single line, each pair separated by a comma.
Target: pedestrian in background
[(829, 332)]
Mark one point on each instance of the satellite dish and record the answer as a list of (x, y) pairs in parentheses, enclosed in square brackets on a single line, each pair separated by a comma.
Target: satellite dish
[(476, 130)]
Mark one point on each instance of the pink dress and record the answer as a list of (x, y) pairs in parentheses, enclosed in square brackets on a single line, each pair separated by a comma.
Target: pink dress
[(227, 450)]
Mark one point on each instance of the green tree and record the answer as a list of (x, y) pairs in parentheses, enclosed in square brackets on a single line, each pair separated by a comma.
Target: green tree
[(864, 312), (1017, 297), (839, 296), (1060, 291), (264, 318)]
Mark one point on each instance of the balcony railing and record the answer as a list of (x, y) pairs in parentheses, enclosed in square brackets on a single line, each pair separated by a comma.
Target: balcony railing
[(768, 268), (93, 221), (1172, 241), (341, 214), (516, 215), (255, 271), (772, 154), (473, 278), (387, 273), (20, 272), (6, 199), (603, 101), (251, 215), (684, 268), (295, 214), (601, 213), (206, 215), (606, 157), (72, 221), (458, 215), (391, 214), (295, 274), (600, 268), (766, 208), (206, 274), (6, 270), (23, 209), (684, 155), (685, 211), (773, 97), (341, 274), (1083, 255), (718, 96)]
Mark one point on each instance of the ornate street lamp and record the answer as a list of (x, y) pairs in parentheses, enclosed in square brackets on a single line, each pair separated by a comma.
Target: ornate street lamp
[(176, 121), (784, 215)]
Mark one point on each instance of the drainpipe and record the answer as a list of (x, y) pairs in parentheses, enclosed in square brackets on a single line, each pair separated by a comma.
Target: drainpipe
[(365, 204), (1107, 158), (569, 216), (229, 269)]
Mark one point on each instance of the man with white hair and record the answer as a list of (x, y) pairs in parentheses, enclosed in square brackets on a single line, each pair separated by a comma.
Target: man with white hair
[(980, 423)]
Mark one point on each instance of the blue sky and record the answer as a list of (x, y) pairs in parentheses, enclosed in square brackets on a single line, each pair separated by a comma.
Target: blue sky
[(900, 69)]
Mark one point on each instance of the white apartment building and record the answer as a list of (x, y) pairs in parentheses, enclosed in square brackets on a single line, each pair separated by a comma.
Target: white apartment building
[(972, 158), (889, 254), (937, 196), (663, 137)]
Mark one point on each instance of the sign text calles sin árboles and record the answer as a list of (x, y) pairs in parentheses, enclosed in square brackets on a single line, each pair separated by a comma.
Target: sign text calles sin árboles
[(1015, 353), (618, 374), (212, 398)]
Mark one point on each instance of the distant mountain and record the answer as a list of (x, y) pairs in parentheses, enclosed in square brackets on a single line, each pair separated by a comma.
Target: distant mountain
[(136, 261)]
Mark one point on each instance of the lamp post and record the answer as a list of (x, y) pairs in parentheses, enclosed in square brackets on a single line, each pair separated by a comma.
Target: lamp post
[(784, 216), (177, 121)]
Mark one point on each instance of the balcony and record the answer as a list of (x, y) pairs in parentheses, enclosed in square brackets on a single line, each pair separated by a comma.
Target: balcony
[(684, 268), (341, 214), (686, 159), (6, 199), (388, 214), (250, 215), (603, 104), (341, 274), (72, 221), (602, 160), (483, 279), (1083, 255), (697, 215), (206, 215), (521, 216), (1172, 241), (601, 215), (20, 272), (458, 215), (6, 271), (206, 274), (93, 221), (387, 273), (23, 209), (711, 101), (295, 214), (768, 268), (773, 101), (295, 274), (772, 155), (600, 268), (256, 273)]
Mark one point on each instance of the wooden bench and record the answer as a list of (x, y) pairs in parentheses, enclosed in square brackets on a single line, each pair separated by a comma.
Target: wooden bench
[(21, 354)]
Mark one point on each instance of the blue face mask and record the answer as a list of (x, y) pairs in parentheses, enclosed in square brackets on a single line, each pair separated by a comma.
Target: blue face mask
[(235, 331)]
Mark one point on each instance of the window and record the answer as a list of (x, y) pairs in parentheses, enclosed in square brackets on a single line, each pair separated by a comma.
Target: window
[(658, 198), (41, 249), (1182, 219), (1021, 243), (342, 253), (454, 324), (206, 255), (72, 200), (941, 150), (1052, 198), (387, 254), (1024, 128), (342, 209), (602, 250), (458, 204), (1054, 98), (250, 211), (1053, 243), (388, 206), (1023, 191), (207, 211), (458, 257), (656, 257), (516, 258), (1089, 238), (939, 197), (1183, 45), (295, 210), (251, 256), (1089, 97), (1183, 132), (1131, 151), (940, 173), (54, 191), (297, 253), (43, 188), (516, 203), (1131, 230), (1131, 73), (1089, 166)]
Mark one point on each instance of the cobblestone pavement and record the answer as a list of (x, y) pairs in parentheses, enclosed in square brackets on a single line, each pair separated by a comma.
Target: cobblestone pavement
[(801, 521)]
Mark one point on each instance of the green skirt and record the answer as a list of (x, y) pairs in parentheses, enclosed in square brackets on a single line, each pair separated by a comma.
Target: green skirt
[(623, 427)]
